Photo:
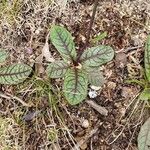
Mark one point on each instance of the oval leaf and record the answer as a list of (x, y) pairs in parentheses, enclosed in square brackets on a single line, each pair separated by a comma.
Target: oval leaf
[(145, 95), (99, 37), (57, 69), (144, 136), (14, 74), (75, 86), (3, 56), (95, 77), (63, 42), (147, 58), (97, 56)]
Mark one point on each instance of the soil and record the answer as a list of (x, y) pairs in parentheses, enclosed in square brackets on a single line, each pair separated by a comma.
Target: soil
[(59, 125)]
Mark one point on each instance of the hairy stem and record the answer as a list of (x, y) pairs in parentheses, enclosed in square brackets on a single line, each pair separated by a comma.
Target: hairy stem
[(91, 22), (89, 30)]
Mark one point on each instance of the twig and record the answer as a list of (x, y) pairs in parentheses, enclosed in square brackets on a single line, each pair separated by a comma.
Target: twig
[(98, 108), (133, 48), (9, 97)]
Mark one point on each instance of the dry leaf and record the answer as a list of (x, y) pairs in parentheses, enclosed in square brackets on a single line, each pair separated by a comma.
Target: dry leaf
[(39, 69), (29, 116), (46, 53)]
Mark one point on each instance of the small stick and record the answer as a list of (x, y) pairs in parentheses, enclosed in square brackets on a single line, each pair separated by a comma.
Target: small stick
[(9, 97), (100, 109)]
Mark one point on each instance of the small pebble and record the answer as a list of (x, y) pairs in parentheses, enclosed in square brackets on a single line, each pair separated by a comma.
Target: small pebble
[(85, 123)]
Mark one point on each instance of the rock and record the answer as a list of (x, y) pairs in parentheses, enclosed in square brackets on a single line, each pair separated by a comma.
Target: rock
[(85, 123)]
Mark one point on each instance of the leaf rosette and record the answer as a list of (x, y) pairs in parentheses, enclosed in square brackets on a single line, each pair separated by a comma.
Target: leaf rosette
[(78, 72)]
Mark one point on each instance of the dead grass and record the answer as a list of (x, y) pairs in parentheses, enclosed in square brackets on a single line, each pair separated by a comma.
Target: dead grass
[(42, 130)]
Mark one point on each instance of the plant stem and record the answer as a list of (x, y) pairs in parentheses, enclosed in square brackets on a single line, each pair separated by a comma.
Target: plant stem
[(89, 30), (91, 22)]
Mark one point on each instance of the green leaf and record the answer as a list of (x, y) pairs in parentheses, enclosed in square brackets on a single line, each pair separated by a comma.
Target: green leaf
[(145, 95), (95, 77), (141, 82), (14, 74), (75, 86), (63, 42), (3, 56), (144, 136), (97, 56), (57, 69), (99, 37), (147, 58)]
